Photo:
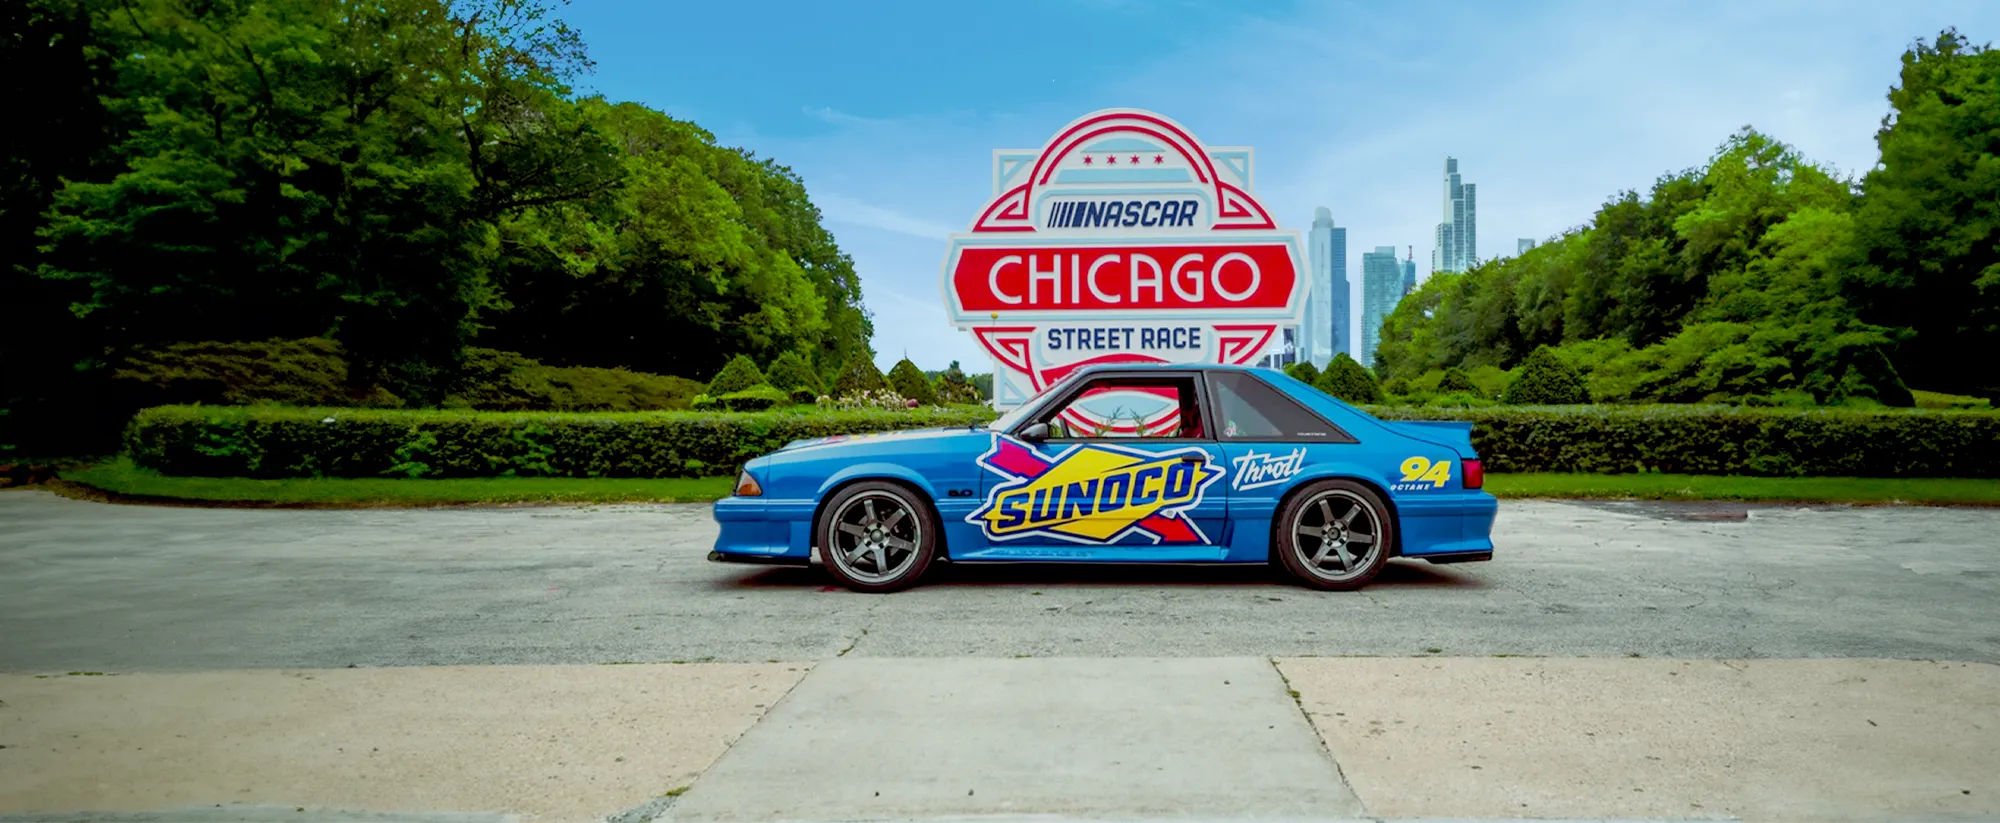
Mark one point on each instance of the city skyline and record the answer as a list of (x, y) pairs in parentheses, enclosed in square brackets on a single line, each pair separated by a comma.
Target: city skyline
[(895, 149), (1329, 314), (1381, 290), (1456, 243)]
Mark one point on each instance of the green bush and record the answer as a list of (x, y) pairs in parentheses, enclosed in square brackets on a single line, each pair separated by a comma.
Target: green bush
[(954, 388), (1303, 371), (791, 372), (312, 371), (276, 441), (1545, 380), (804, 396), (909, 381), (738, 374), (1778, 442), (755, 398), (1456, 380), (1348, 380), (493, 380), (859, 376)]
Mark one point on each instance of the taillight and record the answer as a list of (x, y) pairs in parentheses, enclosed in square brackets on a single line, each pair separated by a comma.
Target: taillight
[(1475, 474), (746, 486)]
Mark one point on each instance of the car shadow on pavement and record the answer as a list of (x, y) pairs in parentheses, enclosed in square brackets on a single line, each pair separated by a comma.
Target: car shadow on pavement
[(1397, 574)]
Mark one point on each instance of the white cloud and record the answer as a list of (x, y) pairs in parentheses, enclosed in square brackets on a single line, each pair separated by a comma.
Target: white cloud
[(840, 208)]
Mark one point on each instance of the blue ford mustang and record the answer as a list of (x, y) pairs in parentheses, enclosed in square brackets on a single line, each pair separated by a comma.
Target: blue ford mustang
[(1160, 464)]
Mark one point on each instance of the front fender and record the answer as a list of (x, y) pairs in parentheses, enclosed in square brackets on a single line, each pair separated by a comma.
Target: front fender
[(876, 471)]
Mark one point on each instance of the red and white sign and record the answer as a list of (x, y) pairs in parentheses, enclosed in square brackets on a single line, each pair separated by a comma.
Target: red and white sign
[(1123, 240)]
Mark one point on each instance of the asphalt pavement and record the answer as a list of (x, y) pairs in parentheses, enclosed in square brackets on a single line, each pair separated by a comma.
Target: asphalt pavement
[(89, 586)]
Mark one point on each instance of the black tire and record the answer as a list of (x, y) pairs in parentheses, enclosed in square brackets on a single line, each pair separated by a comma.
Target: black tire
[(876, 536), (1324, 523)]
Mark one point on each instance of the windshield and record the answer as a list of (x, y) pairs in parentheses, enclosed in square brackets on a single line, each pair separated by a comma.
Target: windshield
[(1007, 421)]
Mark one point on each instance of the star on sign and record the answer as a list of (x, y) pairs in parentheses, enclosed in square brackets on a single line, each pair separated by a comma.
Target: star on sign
[(1113, 159), (1135, 160), (1086, 159), (1157, 159)]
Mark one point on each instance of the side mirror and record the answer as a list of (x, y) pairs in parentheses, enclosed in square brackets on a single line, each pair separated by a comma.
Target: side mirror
[(1035, 432)]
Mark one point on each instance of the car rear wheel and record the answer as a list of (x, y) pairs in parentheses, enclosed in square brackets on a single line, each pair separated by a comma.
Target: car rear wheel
[(877, 537), (1334, 534)]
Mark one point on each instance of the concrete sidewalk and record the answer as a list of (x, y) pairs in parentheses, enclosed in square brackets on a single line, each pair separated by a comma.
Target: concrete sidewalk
[(1043, 739), (879, 739)]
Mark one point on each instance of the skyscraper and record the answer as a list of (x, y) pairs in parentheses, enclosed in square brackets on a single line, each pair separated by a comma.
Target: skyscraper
[(1410, 272), (1458, 236), (1525, 243), (1324, 333), (1381, 290)]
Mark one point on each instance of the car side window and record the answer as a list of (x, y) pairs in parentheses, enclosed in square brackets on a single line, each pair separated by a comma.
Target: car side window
[(1150, 408), (1250, 409)]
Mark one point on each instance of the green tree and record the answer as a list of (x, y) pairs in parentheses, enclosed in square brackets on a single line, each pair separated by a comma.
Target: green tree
[(1348, 380), (1545, 380), (1928, 229), (1456, 380), (909, 381), (790, 372), (306, 168), (703, 254), (1303, 371), (953, 386), (738, 374), (859, 375)]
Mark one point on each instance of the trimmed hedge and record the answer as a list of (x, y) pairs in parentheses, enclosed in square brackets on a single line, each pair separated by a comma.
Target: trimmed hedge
[(276, 441), (1770, 442)]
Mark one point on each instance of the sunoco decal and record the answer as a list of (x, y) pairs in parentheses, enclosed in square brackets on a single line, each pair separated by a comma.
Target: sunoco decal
[(1092, 493)]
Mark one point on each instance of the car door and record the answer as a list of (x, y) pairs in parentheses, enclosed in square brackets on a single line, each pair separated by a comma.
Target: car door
[(1268, 439), (1122, 467)]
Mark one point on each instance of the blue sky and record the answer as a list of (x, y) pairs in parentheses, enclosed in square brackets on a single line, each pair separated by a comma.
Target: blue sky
[(890, 110)]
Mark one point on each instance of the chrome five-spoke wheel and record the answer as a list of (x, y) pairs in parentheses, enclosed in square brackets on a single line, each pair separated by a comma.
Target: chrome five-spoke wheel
[(876, 536), (1335, 535)]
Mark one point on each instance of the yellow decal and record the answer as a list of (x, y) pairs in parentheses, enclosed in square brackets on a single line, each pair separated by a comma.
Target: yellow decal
[(1094, 493), (1419, 471)]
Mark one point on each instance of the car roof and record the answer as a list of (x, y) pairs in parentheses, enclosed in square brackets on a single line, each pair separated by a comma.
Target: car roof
[(1165, 367)]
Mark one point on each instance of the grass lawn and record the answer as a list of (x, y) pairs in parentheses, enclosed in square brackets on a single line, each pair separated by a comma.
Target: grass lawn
[(1950, 490), (121, 477)]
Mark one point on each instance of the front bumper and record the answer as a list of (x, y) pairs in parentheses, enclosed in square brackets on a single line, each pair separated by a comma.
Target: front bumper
[(758, 530)]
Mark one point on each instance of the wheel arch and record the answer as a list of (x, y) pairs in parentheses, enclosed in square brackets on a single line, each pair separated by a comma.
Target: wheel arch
[(1395, 545), (834, 486)]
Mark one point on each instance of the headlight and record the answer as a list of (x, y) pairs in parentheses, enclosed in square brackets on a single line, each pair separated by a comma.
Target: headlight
[(746, 486)]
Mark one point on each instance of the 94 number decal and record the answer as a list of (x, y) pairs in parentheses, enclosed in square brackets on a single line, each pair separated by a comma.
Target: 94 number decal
[(1424, 474)]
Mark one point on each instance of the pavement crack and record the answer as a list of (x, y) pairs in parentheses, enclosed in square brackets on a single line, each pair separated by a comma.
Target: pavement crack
[(1325, 746)]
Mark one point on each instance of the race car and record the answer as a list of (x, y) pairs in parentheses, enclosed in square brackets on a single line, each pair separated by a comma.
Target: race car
[(1120, 464)]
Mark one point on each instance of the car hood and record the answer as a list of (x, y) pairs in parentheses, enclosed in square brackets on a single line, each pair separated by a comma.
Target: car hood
[(880, 437)]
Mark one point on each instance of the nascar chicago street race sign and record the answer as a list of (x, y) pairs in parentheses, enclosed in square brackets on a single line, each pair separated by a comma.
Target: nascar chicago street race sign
[(1122, 240)]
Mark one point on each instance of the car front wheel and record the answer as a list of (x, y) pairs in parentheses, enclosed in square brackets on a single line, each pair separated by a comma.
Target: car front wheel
[(876, 536), (1334, 534)]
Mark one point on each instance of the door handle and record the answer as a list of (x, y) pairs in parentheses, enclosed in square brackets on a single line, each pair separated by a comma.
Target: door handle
[(1194, 458)]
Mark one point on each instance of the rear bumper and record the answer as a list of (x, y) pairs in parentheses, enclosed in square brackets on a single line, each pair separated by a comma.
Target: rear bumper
[(1455, 528)]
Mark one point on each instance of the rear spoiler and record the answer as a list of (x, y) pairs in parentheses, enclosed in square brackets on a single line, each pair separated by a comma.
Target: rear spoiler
[(1454, 433)]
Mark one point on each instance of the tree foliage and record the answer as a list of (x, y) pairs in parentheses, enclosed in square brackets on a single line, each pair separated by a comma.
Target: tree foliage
[(738, 374), (790, 372), (1545, 380), (1927, 233), (408, 177), (1303, 371), (909, 381), (1456, 380), (859, 376), (1725, 283), (1348, 380)]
